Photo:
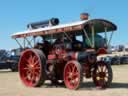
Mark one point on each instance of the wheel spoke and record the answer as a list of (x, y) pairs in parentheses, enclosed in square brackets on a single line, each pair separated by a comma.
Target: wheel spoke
[(76, 74), (74, 67), (34, 59), (33, 78), (36, 73), (36, 63), (29, 76), (30, 59), (102, 68), (99, 69), (68, 69), (106, 79), (106, 74), (106, 70), (27, 65), (36, 68), (26, 68), (76, 80)]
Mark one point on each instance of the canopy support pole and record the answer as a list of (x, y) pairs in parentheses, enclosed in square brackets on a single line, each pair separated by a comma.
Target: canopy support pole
[(24, 42), (29, 42), (51, 41), (86, 35), (19, 43), (34, 41), (93, 36), (110, 38), (67, 36), (106, 39)]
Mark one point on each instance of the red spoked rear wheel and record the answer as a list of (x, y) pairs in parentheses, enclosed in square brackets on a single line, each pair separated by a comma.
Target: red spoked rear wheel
[(31, 67), (72, 75), (102, 74)]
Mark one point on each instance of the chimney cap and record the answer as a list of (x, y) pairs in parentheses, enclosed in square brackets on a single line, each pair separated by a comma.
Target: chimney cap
[(84, 16)]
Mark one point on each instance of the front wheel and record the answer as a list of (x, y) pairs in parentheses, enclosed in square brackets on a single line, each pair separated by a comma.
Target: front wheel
[(73, 75), (102, 74)]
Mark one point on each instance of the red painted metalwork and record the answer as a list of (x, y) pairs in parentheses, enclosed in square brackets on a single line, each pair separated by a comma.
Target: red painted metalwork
[(101, 51), (30, 68), (52, 56), (72, 75)]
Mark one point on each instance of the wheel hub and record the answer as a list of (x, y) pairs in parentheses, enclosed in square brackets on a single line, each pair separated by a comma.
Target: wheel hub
[(102, 74), (70, 75)]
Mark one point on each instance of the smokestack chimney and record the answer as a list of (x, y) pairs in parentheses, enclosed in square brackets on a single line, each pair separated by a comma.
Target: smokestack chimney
[(84, 16)]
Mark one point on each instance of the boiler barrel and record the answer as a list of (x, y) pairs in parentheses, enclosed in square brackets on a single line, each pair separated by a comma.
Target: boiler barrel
[(86, 56), (82, 56)]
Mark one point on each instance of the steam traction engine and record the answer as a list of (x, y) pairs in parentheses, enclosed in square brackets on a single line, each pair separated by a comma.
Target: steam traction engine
[(66, 52)]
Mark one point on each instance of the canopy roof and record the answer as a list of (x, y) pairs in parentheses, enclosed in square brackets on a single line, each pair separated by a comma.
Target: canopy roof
[(99, 25)]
